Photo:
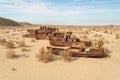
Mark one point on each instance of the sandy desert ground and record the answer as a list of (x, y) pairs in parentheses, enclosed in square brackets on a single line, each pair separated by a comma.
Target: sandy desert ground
[(28, 68)]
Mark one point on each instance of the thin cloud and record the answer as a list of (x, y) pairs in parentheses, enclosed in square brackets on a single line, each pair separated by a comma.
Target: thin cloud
[(48, 8), (42, 8)]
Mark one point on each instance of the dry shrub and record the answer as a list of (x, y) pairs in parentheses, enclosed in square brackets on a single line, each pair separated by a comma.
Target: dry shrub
[(24, 49), (22, 43), (2, 41), (44, 56), (100, 44), (85, 37), (97, 44), (10, 44), (86, 32), (106, 52), (110, 33), (106, 41), (94, 44), (66, 55), (97, 35), (33, 40), (40, 54), (7, 31), (117, 36), (105, 31), (13, 69), (10, 54)]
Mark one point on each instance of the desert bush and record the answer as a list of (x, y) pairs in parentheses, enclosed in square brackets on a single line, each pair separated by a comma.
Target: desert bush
[(97, 35), (117, 36), (100, 44), (66, 55), (44, 56), (24, 55), (107, 52), (106, 41), (85, 37), (33, 40), (93, 44), (7, 31), (86, 32), (13, 69), (105, 31), (22, 43), (10, 54), (10, 44), (24, 49), (97, 44), (2, 41)]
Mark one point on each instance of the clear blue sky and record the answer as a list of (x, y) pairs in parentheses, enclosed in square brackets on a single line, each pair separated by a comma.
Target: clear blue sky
[(71, 12)]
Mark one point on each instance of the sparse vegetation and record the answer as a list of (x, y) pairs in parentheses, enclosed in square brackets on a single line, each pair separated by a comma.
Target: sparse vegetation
[(97, 44), (100, 44), (2, 41), (10, 44), (10, 54), (22, 43), (24, 49), (13, 69), (33, 40), (43, 55), (106, 50), (66, 55), (117, 36), (85, 37)]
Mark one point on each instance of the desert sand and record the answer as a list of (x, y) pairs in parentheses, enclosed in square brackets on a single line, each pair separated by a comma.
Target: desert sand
[(28, 68)]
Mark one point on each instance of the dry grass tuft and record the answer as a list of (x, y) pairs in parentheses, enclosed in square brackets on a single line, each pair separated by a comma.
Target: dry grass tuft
[(25, 55), (2, 41), (106, 51), (10, 54), (117, 36), (24, 49), (43, 55), (66, 55), (7, 31), (13, 69), (10, 44), (22, 43), (100, 44), (97, 44), (33, 40)]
